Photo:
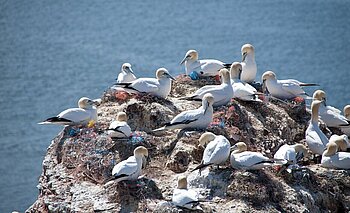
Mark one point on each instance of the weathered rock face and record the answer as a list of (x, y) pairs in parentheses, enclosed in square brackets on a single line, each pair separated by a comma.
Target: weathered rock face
[(80, 160)]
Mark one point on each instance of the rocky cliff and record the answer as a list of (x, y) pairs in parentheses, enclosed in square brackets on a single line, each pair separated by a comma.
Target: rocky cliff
[(79, 161)]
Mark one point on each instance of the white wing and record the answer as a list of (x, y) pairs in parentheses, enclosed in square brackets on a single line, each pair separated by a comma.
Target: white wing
[(292, 88), (211, 66), (281, 152), (221, 93), (119, 129), (341, 160), (314, 140), (188, 116), (217, 151), (125, 77), (243, 92), (185, 198), (76, 115), (335, 110), (249, 159), (331, 116), (145, 85), (126, 167)]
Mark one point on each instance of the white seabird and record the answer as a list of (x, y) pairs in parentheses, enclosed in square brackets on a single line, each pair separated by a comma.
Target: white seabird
[(159, 86), (241, 90), (216, 152), (333, 159), (329, 115), (222, 93), (130, 169), (347, 111), (184, 197), (126, 74), (119, 128), (346, 129), (315, 138), (75, 116), (193, 119), (249, 67), (291, 153), (204, 67), (342, 141), (243, 159), (283, 89)]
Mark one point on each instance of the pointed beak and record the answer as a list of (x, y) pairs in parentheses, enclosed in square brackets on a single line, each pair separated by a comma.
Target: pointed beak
[(129, 70), (244, 56), (171, 77), (264, 88), (234, 147), (96, 102), (183, 60)]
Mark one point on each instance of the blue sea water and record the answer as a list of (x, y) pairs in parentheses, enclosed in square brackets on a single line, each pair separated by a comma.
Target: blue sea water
[(54, 52)]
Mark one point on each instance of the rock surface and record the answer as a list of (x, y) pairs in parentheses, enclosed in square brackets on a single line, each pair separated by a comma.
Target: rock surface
[(79, 161)]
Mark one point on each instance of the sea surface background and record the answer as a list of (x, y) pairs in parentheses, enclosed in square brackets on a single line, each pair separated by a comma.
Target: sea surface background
[(54, 52)]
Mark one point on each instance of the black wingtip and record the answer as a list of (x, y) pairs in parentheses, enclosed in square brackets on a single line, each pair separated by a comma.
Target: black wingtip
[(227, 66), (125, 85), (120, 176), (200, 167), (309, 84), (57, 120)]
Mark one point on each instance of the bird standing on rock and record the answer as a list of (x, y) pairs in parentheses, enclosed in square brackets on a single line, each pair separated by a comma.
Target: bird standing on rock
[(329, 115), (216, 152), (126, 74), (130, 169), (76, 116), (243, 159), (283, 89), (346, 129), (222, 93), (249, 67), (291, 153), (204, 67), (241, 90), (333, 159), (315, 138), (159, 86), (184, 197), (120, 127), (193, 119), (342, 141)]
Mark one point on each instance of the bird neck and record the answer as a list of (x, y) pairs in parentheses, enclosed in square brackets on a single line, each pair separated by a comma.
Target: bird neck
[(234, 75), (314, 115), (250, 57)]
